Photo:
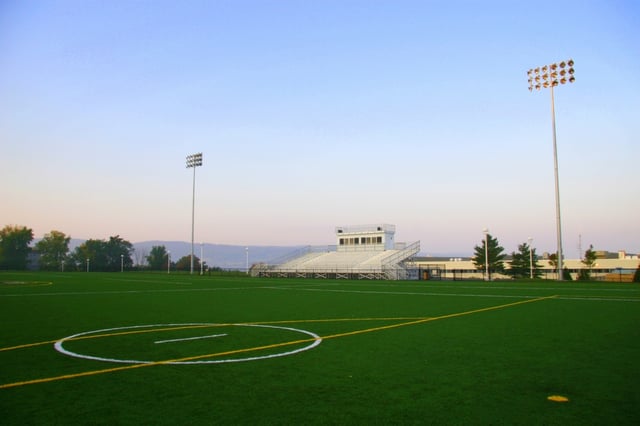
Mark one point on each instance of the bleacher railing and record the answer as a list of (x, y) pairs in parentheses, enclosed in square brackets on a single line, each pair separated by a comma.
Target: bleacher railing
[(409, 251), (392, 266)]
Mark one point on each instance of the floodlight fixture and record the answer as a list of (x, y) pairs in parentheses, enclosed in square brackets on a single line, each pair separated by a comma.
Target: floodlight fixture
[(551, 78), (193, 161), (550, 73)]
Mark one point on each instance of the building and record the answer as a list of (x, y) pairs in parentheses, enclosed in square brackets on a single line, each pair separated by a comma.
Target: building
[(608, 267)]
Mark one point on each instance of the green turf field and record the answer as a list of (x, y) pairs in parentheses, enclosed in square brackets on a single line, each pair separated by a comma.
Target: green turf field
[(133, 348)]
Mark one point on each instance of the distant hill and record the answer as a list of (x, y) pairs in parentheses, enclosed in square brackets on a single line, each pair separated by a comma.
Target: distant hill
[(220, 255), (224, 256)]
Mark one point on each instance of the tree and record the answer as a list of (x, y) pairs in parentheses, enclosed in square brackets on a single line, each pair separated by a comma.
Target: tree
[(521, 262), (636, 276), (553, 261), (589, 261), (53, 250), (496, 256), (106, 256), (184, 263), (91, 253), (119, 253), (590, 257), (158, 258), (14, 246)]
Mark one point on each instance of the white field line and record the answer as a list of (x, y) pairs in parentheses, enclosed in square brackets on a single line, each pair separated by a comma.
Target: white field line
[(405, 293), (93, 293), (190, 338), (313, 341), (310, 287), (507, 296), (436, 286), (165, 290)]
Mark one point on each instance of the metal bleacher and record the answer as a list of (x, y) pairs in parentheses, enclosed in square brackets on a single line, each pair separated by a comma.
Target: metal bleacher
[(331, 262)]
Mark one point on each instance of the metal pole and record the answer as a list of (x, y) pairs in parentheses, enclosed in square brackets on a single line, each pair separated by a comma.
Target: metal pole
[(168, 262), (201, 255), (122, 263), (193, 215), (194, 161), (555, 169), (549, 76)]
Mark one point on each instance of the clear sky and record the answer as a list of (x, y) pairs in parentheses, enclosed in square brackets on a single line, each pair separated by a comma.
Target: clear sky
[(314, 114)]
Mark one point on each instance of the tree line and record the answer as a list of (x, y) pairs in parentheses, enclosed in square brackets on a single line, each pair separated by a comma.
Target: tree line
[(115, 254), (524, 262), (53, 253)]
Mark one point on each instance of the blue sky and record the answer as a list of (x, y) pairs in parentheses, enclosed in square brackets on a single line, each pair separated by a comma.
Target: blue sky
[(314, 114)]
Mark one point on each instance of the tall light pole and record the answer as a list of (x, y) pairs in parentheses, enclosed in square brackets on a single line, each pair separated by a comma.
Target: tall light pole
[(168, 262), (122, 263), (193, 160), (530, 258), (549, 76), (486, 253), (246, 250)]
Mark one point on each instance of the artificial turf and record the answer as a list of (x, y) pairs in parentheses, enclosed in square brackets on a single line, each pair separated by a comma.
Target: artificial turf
[(411, 352)]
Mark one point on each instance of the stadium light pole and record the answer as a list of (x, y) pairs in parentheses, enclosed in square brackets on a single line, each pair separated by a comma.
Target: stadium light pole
[(547, 77), (193, 161), (486, 253)]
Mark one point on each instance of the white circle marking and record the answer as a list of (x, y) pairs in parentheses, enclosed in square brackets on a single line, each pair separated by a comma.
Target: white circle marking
[(60, 348)]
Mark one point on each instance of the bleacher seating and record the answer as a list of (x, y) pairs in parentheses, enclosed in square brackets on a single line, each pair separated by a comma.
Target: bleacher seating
[(363, 252), (340, 264)]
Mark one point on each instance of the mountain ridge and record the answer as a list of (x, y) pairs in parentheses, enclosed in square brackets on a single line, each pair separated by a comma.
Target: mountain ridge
[(225, 256)]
